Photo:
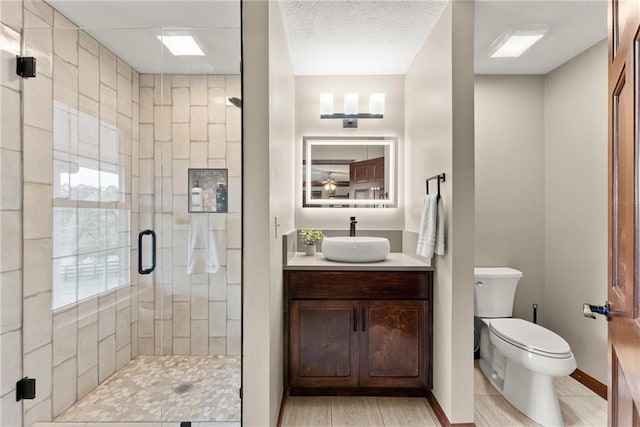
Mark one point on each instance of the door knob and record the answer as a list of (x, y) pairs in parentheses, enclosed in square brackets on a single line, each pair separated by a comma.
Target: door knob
[(590, 311)]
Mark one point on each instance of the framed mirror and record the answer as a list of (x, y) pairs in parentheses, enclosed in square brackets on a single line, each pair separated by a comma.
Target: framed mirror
[(349, 172)]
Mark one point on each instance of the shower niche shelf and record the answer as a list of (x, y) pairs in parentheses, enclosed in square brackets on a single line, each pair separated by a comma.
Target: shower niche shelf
[(208, 191)]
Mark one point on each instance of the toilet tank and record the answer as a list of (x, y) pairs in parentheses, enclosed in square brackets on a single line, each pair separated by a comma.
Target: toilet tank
[(494, 290)]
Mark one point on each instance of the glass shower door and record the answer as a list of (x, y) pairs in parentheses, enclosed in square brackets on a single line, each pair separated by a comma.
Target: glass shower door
[(131, 140), (198, 287)]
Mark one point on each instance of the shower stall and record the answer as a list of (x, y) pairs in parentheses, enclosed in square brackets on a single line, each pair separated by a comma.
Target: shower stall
[(130, 293)]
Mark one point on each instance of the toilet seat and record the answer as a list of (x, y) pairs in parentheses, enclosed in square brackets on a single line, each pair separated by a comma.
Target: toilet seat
[(531, 337)]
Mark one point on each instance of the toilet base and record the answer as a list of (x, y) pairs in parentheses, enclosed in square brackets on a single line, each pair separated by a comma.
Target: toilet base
[(531, 393)]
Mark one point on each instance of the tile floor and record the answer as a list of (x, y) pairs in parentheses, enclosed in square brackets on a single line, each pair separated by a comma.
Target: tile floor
[(148, 390), (134, 424), (579, 405), (358, 411), (145, 391)]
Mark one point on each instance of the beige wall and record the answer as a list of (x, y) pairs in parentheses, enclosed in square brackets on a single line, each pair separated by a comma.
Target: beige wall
[(510, 182), (256, 334), (308, 123), (282, 115), (268, 121), (576, 204), (439, 136)]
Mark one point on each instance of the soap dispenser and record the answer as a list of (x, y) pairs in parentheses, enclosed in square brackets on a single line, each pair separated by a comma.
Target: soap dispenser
[(221, 198), (196, 198)]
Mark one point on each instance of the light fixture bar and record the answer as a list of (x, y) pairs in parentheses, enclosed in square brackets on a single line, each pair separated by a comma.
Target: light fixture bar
[(181, 45), (352, 116), (351, 120)]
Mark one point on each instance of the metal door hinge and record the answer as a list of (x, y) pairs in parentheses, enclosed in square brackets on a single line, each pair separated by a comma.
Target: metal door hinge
[(26, 389)]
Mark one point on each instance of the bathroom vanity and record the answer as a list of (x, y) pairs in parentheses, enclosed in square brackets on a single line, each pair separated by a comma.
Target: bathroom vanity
[(358, 329)]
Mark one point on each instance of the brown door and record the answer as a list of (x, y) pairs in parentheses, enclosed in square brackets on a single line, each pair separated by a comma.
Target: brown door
[(324, 343), (623, 289), (366, 179), (394, 344)]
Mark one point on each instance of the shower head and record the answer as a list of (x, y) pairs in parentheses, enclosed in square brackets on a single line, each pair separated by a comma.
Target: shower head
[(235, 101)]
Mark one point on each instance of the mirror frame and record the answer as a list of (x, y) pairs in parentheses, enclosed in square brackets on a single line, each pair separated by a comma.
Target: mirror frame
[(389, 141)]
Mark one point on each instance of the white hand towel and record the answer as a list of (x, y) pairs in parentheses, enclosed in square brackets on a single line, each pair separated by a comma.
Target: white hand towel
[(213, 264), (198, 228), (440, 225), (202, 256), (428, 224)]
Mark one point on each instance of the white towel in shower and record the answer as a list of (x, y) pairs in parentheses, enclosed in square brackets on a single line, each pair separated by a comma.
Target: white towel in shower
[(431, 233), (202, 256)]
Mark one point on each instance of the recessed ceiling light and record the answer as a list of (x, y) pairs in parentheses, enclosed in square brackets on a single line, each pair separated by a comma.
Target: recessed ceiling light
[(181, 45), (514, 43)]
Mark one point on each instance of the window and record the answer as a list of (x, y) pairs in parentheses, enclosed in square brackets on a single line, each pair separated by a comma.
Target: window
[(91, 217)]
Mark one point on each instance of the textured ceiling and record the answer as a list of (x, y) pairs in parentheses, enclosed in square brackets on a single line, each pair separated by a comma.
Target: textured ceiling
[(573, 27), (383, 37), (356, 37), (329, 37), (130, 29)]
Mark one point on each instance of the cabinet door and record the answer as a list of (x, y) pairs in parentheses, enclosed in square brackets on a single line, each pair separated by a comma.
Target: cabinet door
[(364, 177), (394, 345), (323, 346)]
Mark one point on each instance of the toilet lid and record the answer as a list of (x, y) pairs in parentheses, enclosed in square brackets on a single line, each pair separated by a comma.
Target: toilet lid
[(531, 337), (496, 273)]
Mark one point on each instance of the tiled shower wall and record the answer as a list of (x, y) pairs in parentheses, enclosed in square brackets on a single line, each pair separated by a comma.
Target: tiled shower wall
[(70, 351), (10, 215), (186, 122)]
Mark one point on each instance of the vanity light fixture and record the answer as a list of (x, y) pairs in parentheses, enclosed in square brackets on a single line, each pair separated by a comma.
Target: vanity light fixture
[(326, 104), (350, 116), (514, 43), (183, 45), (351, 103)]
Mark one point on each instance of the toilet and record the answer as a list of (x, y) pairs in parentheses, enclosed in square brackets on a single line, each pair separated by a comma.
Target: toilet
[(519, 358)]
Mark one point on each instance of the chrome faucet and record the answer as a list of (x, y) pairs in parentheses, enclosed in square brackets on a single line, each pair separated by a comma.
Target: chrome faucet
[(352, 227)]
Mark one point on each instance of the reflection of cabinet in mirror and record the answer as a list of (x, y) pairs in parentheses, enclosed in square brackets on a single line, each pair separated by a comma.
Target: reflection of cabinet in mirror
[(366, 179)]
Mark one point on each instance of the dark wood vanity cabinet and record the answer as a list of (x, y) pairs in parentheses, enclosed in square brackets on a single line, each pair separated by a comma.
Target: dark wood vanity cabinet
[(324, 343), (355, 332)]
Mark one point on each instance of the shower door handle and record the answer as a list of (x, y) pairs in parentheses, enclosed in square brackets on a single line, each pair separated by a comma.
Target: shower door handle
[(153, 252)]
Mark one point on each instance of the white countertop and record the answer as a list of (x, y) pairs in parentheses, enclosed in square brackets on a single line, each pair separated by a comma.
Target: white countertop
[(396, 261)]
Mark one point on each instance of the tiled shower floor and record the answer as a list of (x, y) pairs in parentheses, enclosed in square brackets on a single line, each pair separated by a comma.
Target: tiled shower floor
[(145, 390)]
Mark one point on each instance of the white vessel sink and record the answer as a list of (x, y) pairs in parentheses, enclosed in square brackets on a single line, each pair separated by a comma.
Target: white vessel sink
[(355, 249)]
